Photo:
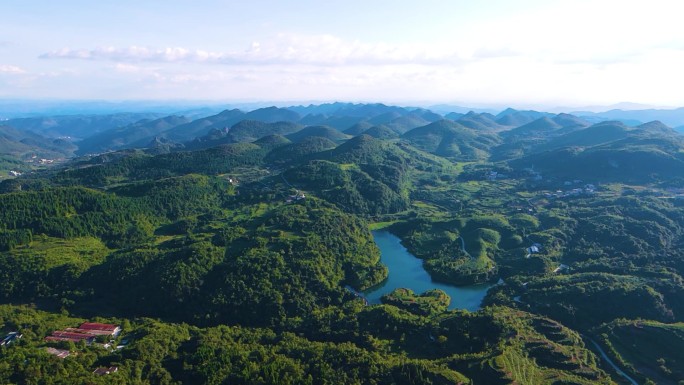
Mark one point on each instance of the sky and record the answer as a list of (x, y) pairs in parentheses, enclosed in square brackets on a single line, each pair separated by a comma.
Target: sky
[(517, 53)]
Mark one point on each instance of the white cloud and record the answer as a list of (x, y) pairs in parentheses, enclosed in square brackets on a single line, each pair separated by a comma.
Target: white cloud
[(284, 49), (584, 51), (127, 68), (12, 70)]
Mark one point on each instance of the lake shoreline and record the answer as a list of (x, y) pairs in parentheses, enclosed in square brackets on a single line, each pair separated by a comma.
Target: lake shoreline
[(407, 271)]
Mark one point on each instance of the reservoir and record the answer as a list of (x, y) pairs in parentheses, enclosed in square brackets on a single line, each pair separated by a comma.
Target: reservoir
[(405, 270)]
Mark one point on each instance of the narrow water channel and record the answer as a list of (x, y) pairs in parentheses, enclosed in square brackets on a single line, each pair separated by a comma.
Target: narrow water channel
[(405, 270)]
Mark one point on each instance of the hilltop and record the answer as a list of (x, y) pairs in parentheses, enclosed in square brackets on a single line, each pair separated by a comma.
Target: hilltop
[(452, 140)]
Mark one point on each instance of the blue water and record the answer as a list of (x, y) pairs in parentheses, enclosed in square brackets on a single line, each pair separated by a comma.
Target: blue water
[(405, 270)]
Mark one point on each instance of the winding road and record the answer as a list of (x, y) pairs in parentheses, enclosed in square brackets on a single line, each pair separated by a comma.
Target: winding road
[(610, 362), (463, 247)]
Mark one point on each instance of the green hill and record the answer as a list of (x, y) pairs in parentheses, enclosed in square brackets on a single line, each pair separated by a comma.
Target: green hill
[(299, 151), (251, 130), (366, 149), (270, 142), (202, 126), (273, 115), (629, 163), (611, 151), (269, 135), (215, 137), (646, 350), (108, 169), (10, 142), (452, 140), (545, 128), (365, 175), (570, 121), (534, 136), (381, 132), (24, 144), (78, 126), (597, 134), (408, 122), (134, 135), (320, 131), (385, 117), (480, 122), (542, 127), (453, 116), (313, 119), (514, 118), (358, 128), (342, 122), (427, 115)]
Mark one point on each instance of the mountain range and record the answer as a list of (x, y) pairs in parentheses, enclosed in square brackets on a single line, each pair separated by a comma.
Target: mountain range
[(247, 240), (523, 137)]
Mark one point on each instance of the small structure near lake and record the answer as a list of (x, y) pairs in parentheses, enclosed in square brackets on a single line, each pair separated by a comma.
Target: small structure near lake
[(296, 197), (10, 338), (534, 249), (102, 371)]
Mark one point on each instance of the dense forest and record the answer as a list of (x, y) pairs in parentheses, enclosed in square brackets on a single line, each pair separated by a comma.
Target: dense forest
[(240, 256)]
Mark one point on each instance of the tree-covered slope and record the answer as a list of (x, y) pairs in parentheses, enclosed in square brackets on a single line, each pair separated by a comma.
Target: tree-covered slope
[(318, 131), (251, 130), (26, 144), (249, 249), (611, 152), (452, 140), (202, 126), (138, 134)]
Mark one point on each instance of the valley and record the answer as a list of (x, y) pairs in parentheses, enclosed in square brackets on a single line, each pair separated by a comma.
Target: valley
[(258, 247)]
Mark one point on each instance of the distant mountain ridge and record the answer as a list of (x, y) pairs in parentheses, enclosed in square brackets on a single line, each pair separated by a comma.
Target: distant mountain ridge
[(25, 143), (673, 117), (611, 150), (472, 135), (77, 126), (133, 135)]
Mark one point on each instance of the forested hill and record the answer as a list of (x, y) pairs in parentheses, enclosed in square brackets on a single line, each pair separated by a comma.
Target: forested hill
[(236, 248)]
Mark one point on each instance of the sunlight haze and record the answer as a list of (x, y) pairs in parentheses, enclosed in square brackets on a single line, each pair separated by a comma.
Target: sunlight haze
[(524, 53)]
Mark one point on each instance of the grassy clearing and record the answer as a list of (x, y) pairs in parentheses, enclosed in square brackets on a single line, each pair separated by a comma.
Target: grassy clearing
[(85, 251), (381, 225), (348, 166)]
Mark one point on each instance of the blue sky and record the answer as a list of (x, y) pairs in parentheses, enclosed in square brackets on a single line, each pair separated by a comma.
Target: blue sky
[(520, 53)]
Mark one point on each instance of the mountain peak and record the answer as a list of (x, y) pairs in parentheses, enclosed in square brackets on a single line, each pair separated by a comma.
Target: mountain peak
[(655, 125)]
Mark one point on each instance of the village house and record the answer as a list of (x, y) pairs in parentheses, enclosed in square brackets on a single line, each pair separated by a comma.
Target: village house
[(101, 329), (88, 332), (297, 197), (62, 335), (105, 370), (59, 353), (535, 248), (11, 337)]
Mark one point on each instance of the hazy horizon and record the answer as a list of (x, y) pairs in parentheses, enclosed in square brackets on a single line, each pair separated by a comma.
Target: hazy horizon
[(532, 53), (49, 106)]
